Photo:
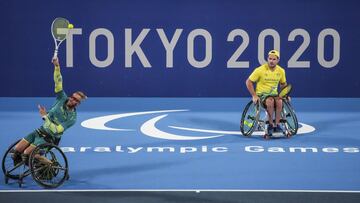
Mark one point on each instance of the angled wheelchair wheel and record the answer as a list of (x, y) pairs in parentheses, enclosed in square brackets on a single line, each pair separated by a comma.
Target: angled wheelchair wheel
[(291, 120), (12, 169), (249, 118), (48, 165)]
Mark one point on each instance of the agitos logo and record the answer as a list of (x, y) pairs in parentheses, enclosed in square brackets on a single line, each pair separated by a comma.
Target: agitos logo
[(149, 128)]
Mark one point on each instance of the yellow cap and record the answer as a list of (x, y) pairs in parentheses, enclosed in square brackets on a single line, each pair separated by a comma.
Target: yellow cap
[(274, 52)]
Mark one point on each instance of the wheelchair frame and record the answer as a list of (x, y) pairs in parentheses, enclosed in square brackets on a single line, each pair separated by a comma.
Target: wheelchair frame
[(42, 172), (258, 123)]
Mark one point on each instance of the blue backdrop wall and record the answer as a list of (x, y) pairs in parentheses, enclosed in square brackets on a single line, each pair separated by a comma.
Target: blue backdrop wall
[(185, 48)]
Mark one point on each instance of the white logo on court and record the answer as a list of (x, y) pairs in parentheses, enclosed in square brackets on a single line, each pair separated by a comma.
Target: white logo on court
[(149, 127)]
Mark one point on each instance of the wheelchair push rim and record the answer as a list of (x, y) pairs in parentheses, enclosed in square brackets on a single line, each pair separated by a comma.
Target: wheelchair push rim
[(249, 118), (291, 123)]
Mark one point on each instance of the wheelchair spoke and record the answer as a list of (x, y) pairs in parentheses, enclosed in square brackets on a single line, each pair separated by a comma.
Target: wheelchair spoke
[(39, 168), (60, 168)]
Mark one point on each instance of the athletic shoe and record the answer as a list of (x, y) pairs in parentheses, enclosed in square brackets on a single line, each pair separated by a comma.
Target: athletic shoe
[(270, 129), (278, 129)]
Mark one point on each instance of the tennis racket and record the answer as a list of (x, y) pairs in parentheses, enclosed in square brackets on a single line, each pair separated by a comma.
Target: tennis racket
[(59, 31), (285, 91)]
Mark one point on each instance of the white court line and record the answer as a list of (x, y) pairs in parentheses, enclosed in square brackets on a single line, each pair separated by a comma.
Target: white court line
[(185, 190)]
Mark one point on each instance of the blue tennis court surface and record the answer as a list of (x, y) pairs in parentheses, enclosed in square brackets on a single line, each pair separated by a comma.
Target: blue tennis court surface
[(195, 143)]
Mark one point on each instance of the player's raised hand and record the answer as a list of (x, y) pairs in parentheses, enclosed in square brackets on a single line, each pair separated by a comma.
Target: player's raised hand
[(55, 61), (42, 110)]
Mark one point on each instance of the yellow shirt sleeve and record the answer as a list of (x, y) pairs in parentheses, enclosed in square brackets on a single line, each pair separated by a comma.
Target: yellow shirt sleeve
[(255, 75), (283, 77), (56, 129), (58, 79)]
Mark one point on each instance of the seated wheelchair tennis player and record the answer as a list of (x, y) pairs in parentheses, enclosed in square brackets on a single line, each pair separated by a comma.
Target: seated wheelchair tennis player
[(267, 78), (57, 120)]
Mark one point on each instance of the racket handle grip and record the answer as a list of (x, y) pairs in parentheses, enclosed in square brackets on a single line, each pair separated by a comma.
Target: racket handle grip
[(55, 53)]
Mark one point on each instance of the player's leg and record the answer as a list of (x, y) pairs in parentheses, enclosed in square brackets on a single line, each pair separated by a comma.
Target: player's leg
[(269, 104), (29, 149), (21, 146), (27, 152), (37, 139), (279, 105), (270, 109)]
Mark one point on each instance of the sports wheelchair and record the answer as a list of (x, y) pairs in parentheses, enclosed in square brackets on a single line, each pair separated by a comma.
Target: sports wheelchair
[(47, 165), (254, 118)]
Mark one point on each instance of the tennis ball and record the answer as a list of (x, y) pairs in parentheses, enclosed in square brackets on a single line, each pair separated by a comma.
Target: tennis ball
[(70, 26)]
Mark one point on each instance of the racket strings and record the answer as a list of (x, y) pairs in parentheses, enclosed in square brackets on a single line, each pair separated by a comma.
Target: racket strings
[(59, 23), (285, 91)]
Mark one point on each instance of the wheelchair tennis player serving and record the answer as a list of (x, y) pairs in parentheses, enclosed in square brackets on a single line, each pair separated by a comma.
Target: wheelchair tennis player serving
[(32, 149), (267, 78)]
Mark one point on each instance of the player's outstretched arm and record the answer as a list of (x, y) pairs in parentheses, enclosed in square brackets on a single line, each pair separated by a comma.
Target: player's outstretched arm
[(57, 75)]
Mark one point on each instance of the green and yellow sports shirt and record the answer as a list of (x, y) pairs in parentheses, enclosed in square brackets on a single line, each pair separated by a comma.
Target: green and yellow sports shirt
[(59, 117), (267, 81)]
